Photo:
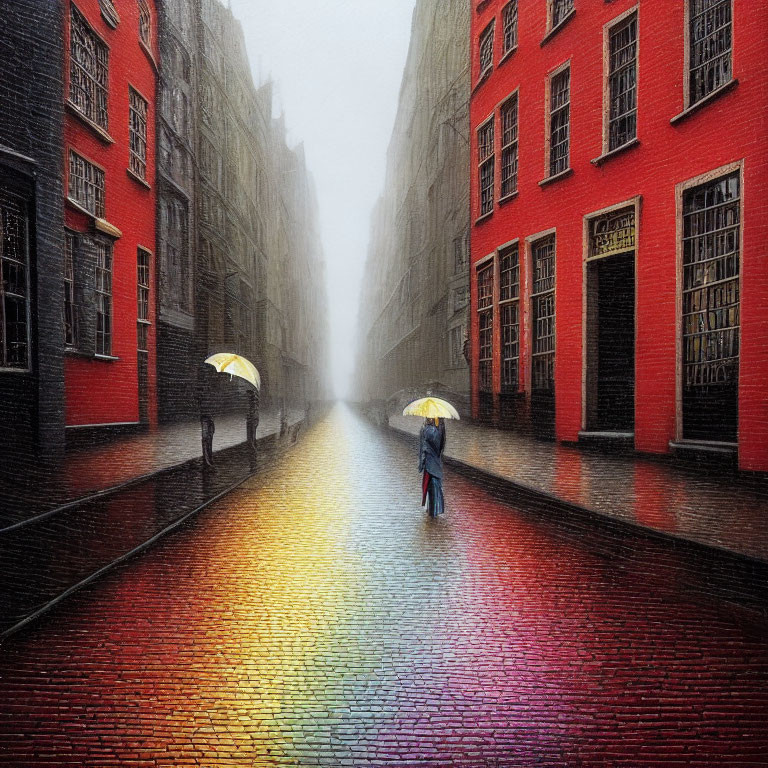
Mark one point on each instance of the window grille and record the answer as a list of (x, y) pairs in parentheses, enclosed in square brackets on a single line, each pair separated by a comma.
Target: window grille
[(145, 23), (543, 299), (485, 316), (485, 136), (560, 9), (622, 118), (138, 109), (14, 286), (142, 279), (560, 122), (711, 302), (103, 298), (509, 147), (70, 334), (486, 49), (86, 184), (509, 300), (457, 346), (509, 21), (89, 71), (711, 41), (459, 255)]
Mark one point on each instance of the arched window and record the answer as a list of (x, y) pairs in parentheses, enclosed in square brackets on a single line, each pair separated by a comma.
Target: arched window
[(145, 23)]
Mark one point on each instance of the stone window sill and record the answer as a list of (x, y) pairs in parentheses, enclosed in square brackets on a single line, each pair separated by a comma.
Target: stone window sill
[(507, 54), (483, 217), (508, 198), (137, 178), (552, 32), (97, 129), (483, 77), (551, 179), (612, 153), (723, 89)]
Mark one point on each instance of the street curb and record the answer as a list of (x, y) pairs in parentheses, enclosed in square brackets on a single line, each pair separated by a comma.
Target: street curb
[(738, 578), (273, 438)]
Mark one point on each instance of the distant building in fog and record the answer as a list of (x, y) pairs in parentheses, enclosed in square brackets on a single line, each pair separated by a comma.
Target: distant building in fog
[(413, 311)]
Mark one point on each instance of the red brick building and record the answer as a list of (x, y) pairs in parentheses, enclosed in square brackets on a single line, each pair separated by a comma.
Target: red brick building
[(109, 166), (619, 284)]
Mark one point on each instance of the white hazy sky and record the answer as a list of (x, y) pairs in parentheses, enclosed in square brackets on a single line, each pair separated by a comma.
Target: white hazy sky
[(337, 66)]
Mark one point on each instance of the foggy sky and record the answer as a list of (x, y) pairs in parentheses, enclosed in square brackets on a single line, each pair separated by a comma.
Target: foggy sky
[(337, 66)]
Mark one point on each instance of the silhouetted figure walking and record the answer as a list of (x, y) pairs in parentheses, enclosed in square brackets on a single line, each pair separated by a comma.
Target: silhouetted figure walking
[(431, 446)]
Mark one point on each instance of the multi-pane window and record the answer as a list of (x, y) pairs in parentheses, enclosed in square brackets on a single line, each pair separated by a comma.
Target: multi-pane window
[(145, 23), (509, 305), (460, 298), (456, 346), (559, 9), (543, 305), (485, 317), (485, 49), (86, 184), (459, 255), (509, 23), (622, 86), (138, 108), (88, 71), (14, 286), (103, 298), (711, 40), (509, 124), (142, 280), (559, 121), (70, 332), (711, 246), (485, 157)]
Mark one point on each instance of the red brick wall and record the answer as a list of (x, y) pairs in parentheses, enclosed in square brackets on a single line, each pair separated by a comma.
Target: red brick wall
[(99, 391), (731, 128)]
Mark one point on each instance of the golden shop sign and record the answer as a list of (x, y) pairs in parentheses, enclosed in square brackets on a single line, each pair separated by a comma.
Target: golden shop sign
[(612, 233)]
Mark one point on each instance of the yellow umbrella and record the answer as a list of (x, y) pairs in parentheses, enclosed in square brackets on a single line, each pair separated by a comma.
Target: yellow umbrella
[(235, 365), (431, 408)]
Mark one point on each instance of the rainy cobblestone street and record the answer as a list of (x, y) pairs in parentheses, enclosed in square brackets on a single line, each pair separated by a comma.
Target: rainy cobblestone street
[(317, 617)]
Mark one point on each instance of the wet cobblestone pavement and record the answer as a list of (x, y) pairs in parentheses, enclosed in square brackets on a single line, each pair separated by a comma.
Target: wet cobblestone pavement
[(317, 617)]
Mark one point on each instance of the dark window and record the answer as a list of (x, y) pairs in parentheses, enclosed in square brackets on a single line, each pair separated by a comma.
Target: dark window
[(486, 49), (138, 109), (560, 9), (509, 301), (486, 162), (145, 23), (70, 318), (89, 71), (711, 244), (509, 21), (622, 119), (103, 298), (485, 316), (14, 286), (509, 147), (560, 122), (86, 184), (543, 300), (710, 47), (142, 279)]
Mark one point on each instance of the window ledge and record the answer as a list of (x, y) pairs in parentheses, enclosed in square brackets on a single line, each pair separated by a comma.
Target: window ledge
[(729, 86), (72, 352), (552, 32), (508, 54), (483, 77), (612, 153), (15, 370), (106, 358), (550, 179), (108, 229), (137, 178), (483, 217), (97, 129), (508, 198), (148, 53), (79, 208)]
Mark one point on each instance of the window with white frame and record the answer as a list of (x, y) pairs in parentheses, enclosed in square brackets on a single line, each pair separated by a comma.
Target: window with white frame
[(622, 82), (142, 314), (86, 184), (559, 121), (485, 49), (509, 123), (88, 71), (485, 318), (543, 307), (509, 26), (145, 23), (509, 308), (103, 298), (70, 320), (138, 109), (14, 286), (485, 158), (710, 37)]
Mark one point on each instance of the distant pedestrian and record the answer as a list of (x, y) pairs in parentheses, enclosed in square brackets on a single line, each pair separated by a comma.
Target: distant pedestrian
[(431, 446), (207, 428), (283, 417), (252, 420)]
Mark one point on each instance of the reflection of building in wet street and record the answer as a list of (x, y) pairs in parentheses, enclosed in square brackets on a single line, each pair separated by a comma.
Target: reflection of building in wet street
[(618, 295), (413, 309)]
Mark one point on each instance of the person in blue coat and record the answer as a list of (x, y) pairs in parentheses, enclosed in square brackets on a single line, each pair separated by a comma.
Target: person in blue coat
[(431, 446)]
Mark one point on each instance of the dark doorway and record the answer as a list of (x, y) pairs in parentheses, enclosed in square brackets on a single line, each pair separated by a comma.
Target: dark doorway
[(611, 343)]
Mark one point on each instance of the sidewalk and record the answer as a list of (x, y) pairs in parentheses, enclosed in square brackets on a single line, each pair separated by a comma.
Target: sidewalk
[(86, 471), (695, 504)]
